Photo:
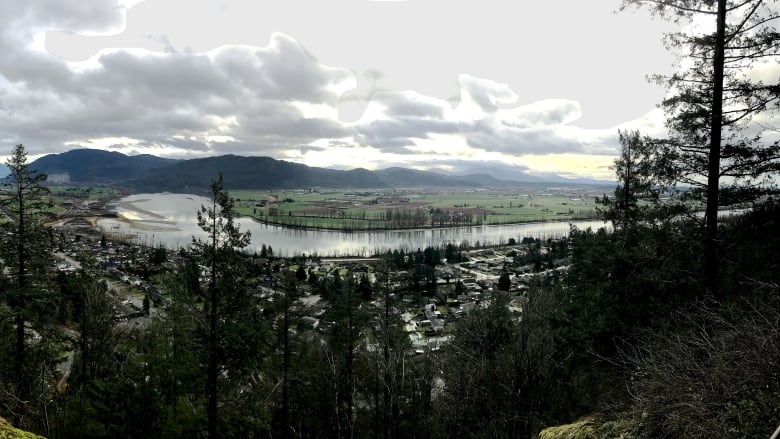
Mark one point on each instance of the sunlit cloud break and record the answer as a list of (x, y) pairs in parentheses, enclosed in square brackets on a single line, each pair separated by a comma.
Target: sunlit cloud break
[(273, 99)]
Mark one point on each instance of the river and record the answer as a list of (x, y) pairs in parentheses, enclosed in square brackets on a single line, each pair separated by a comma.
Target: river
[(171, 220)]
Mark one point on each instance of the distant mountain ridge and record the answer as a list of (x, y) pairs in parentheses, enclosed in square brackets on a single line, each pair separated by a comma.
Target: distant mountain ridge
[(95, 166), (148, 173)]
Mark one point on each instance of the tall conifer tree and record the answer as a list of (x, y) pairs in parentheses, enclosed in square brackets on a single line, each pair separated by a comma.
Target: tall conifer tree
[(219, 254), (715, 104), (26, 251)]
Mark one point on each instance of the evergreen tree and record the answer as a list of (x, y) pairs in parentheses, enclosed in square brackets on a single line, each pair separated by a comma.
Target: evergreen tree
[(219, 252), (300, 273), (26, 251), (176, 356), (715, 143), (636, 197), (499, 373), (95, 348), (504, 284), (344, 339)]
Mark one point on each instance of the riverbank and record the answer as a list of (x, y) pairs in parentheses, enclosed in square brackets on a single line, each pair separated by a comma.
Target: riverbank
[(347, 225)]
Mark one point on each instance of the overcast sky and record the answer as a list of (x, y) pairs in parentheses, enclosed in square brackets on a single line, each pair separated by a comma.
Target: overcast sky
[(536, 87)]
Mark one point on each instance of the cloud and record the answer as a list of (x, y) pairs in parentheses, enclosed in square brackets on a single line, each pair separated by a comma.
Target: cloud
[(410, 104), (478, 94), (549, 112), (273, 99), (487, 116), (24, 22), (497, 169), (252, 93)]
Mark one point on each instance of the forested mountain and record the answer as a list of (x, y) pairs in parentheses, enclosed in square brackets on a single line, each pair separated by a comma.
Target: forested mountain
[(147, 173), (97, 166), (247, 172)]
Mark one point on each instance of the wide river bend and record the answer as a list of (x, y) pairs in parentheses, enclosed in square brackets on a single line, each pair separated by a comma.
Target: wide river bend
[(171, 220)]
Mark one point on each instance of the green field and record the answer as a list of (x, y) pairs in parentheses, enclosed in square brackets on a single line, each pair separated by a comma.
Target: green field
[(83, 192), (59, 196), (399, 209)]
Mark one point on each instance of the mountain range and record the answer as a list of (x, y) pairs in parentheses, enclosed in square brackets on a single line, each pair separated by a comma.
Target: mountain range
[(148, 173)]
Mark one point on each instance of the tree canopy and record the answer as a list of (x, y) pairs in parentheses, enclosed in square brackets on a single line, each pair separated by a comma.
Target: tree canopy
[(718, 105)]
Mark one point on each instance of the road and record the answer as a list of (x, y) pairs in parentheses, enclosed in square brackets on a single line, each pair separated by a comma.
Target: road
[(74, 263)]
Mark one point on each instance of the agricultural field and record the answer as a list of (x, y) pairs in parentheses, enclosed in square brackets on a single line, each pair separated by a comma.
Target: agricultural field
[(415, 208), (83, 192), (63, 199), (73, 200)]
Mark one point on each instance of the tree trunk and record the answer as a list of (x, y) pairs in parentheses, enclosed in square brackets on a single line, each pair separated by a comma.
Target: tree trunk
[(711, 257), (211, 378), (21, 285), (286, 365)]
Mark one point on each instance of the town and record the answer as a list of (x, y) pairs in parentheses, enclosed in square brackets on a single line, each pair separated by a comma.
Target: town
[(458, 279)]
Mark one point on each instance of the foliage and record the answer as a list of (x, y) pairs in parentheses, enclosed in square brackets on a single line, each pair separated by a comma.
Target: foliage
[(712, 374), (636, 199), (158, 255), (230, 315), (498, 370), (26, 249), (503, 281), (749, 243), (614, 288), (714, 107)]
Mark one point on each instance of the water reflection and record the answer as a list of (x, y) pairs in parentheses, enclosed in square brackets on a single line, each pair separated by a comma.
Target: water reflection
[(171, 220)]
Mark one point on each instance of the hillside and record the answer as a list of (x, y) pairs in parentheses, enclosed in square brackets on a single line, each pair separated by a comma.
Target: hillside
[(147, 173), (90, 166), (247, 172)]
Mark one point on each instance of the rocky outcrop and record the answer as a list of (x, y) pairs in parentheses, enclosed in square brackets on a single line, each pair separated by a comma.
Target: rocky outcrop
[(9, 432), (591, 427)]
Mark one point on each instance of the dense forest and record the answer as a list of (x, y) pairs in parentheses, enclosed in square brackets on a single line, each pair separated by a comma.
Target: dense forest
[(667, 325)]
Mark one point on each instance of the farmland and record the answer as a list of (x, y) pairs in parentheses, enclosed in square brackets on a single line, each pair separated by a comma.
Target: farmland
[(416, 208), (73, 199)]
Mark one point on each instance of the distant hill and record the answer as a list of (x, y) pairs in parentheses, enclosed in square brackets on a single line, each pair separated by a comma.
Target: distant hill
[(195, 175), (508, 173), (90, 166), (402, 177), (264, 172), (147, 173)]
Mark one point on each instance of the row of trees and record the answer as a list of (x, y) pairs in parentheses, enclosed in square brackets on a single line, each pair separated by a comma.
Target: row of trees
[(390, 218)]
